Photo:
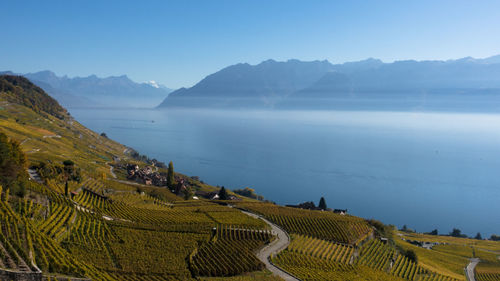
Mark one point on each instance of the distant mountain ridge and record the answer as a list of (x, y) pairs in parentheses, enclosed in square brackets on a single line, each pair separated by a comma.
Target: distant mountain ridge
[(92, 91), (273, 84), (268, 81)]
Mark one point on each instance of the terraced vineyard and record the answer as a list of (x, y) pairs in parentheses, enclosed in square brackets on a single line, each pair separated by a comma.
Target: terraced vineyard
[(488, 269), (487, 276), (27, 243), (111, 229), (379, 256), (321, 249), (307, 267), (231, 252), (323, 225), (332, 261), (104, 235)]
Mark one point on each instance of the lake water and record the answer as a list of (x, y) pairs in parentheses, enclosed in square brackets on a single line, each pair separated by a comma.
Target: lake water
[(426, 170)]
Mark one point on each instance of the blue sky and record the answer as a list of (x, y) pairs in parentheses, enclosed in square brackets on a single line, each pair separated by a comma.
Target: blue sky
[(177, 43)]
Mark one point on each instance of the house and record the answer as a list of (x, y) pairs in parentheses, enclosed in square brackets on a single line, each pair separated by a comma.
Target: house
[(214, 195), (340, 211)]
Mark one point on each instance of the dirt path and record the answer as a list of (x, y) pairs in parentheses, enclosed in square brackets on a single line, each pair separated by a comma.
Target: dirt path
[(470, 269), (273, 248)]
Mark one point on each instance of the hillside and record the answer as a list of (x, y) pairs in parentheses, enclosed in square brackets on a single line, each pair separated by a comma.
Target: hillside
[(433, 85), (70, 208)]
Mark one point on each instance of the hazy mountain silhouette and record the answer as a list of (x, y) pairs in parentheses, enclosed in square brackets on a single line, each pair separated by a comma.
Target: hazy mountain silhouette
[(250, 85), (283, 84), (114, 91)]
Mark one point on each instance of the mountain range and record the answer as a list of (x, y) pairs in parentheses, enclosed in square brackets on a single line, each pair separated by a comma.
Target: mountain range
[(92, 91), (296, 84)]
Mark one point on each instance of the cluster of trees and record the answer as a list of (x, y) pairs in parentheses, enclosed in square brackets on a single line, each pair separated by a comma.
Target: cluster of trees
[(134, 154), (406, 229), (382, 229), (434, 232), (20, 90), (309, 205), (13, 163), (63, 173), (249, 192), (458, 233)]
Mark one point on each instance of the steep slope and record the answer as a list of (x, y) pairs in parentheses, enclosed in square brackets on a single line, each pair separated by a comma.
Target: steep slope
[(20, 90)]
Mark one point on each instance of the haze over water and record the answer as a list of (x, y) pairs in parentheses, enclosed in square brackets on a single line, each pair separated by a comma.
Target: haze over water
[(426, 170)]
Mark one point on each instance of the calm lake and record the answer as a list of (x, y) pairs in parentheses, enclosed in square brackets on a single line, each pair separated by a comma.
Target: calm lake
[(426, 170)]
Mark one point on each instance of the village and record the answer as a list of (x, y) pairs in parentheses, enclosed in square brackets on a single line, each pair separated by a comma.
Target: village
[(149, 175)]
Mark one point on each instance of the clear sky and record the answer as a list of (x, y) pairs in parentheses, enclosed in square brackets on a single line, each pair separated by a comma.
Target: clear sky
[(177, 43)]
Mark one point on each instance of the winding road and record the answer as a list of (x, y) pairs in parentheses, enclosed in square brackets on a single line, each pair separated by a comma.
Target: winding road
[(34, 175), (111, 170), (280, 243), (470, 269)]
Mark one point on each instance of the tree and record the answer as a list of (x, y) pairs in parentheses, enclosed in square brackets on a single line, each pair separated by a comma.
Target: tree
[(322, 203), (12, 162), (410, 254), (223, 194), (170, 176), (307, 205), (434, 232), (188, 194), (405, 228), (69, 168), (478, 236), (457, 233)]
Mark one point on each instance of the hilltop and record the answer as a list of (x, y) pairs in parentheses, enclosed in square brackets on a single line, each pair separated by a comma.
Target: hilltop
[(71, 207)]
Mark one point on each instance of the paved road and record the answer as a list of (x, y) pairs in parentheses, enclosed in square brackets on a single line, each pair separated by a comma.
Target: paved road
[(111, 168), (470, 269), (273, 248), (34, 175)]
